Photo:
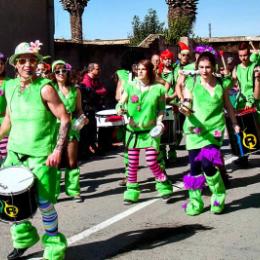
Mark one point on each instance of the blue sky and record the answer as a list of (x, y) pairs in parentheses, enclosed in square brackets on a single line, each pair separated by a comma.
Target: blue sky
[(111, 19)]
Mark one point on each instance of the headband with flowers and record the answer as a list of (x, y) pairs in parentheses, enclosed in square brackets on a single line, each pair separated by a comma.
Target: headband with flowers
[(206, 48)]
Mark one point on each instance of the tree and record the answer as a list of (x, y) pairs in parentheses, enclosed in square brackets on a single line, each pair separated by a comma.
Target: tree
[(141, 29), (181, 17), (75, 9)]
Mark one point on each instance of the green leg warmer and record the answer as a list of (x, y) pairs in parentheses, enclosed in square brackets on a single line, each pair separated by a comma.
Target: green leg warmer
[(164, 188), (196, 205), (57, 190), (132, 193), (54, 246), (72, 186), (218, 190), (24, 235)]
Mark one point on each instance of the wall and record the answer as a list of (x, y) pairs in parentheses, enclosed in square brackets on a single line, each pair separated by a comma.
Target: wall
[(26, 20)]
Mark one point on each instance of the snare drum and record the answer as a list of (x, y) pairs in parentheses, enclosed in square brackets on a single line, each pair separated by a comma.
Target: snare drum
[(109, 118), (248, 140), (17, 194)]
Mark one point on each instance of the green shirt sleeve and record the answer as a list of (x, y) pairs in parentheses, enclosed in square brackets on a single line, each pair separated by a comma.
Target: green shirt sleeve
[(255, 58), (226, 82)]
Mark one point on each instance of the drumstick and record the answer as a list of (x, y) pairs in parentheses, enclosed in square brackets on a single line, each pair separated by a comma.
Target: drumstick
[(221, 53), (252, 45), (239, 144)]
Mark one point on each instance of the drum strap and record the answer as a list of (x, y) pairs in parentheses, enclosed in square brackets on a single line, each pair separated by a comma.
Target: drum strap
[(134, 134), (22, 157)]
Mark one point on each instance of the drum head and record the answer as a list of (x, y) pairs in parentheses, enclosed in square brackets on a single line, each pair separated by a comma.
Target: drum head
[(108, 112), (15, 179)]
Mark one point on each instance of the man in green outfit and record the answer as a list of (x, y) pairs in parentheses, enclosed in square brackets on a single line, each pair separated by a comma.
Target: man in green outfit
[(167, 74), (244, 74), (33, 107)]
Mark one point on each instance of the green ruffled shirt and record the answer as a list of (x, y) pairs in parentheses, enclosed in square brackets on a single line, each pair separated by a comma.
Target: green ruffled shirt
[(169, 77), (143, 109), (207, 124), (245, 76), (70, 103), (190, 66)]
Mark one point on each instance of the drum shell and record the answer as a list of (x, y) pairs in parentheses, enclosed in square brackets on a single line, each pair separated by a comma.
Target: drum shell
[(172, 127), (102, 118), (25, 202), (249, 133)]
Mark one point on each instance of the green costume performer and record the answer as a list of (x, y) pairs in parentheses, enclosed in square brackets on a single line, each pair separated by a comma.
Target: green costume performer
[(245, 77), (72, 186), (171, 155), (143, 108), (32, 138), (204, 130)]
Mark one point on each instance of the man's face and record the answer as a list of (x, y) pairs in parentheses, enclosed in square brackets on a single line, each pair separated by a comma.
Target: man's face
[(26, 65), (155, 60), (184, 58), (243, 56), (96, 70), (167, 62)]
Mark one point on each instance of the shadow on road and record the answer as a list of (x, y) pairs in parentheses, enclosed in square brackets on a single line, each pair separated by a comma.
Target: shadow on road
[(144, 239), (251, 201)]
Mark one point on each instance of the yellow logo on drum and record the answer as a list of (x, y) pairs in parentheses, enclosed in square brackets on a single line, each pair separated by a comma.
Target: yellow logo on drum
[(10, 210), (249, 140)]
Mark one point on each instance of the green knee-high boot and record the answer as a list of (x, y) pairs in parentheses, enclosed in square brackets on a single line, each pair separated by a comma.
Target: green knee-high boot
[(164, 188), (132, 193), (57, 189), (54, 246), (218, 190), (24, 235), (72, 186), (195, 185)]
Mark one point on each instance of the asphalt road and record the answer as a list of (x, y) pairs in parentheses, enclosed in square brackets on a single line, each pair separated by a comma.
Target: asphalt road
[(102, 227)]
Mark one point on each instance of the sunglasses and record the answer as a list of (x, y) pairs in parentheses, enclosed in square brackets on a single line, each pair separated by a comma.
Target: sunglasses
[(60, 71), (22, 61)]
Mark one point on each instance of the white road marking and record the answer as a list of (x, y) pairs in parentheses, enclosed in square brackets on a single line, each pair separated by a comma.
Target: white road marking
[(106, 223), (86, 233)]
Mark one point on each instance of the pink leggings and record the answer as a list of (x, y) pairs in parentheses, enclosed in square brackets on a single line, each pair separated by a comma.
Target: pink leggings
[(151, 158)]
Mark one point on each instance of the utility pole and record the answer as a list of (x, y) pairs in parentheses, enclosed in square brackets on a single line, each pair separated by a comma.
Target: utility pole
[(209, 30)]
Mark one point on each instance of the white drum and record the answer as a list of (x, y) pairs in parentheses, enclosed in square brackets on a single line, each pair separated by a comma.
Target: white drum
[(109, 118), (17, 194)]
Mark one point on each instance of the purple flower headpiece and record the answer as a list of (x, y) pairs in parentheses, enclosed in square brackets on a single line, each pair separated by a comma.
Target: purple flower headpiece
[(206, 48), (68, 67), (2, 57)]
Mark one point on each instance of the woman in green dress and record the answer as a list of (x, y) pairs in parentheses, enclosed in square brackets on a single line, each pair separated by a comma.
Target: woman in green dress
[(206, 96), (71, 98), (144, 100)]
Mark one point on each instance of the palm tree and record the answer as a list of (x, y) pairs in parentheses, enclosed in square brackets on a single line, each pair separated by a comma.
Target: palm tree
[(75, 9), (182, 8)]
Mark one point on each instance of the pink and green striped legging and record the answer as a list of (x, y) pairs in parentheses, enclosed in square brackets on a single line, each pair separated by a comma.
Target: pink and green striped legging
[(151, 159)]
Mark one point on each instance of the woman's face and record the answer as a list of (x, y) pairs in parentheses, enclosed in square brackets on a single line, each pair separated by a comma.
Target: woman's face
[(205, 68), (142, 72), (2, 67), (60, 73)]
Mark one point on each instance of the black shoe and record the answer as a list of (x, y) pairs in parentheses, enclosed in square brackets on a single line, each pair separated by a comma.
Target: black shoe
[(122, 182), (16, 253), (242, 162)]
